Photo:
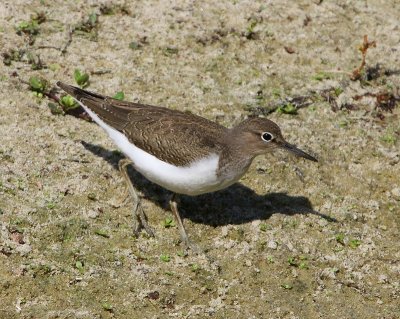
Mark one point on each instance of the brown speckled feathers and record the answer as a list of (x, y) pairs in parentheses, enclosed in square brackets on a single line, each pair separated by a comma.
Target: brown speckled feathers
[(175, 137)]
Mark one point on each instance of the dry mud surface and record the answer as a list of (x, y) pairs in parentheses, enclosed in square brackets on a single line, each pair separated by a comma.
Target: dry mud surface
[(293, 239)]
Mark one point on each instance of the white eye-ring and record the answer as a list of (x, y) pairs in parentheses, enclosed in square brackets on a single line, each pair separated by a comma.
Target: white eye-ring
[(267, 137)]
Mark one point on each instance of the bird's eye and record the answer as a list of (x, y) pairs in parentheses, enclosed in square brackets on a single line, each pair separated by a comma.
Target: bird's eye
[(267, 137)]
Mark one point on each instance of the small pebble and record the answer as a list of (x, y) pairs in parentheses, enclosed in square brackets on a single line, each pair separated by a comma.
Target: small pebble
[(396, 193), (272, 244)]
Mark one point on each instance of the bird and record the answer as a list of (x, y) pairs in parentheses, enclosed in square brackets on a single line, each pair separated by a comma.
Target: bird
[(182, 152)]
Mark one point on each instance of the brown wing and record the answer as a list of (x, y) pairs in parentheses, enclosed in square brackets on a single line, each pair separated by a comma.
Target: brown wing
[(173, 136)]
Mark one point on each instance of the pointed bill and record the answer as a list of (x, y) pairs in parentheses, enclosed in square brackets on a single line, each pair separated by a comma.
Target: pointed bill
[(298, 152)]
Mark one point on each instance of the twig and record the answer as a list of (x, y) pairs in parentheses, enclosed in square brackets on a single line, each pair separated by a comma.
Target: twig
[(364, 48), (69, 40)]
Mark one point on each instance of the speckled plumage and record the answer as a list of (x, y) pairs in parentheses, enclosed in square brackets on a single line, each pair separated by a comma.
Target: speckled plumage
[(204, 155), (175, 137)]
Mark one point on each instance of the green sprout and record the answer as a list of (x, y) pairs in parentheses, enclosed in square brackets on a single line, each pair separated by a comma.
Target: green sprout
[(82, 79), (264, 227), (195, 267), (169, 222), (320, 76), (119, 96), (288, 108), (38, 86), (79, 266), (134, 45), (292, 261), (102, 233), (30, 27), (168, 51), (354, 243), (389, 137), (340, 238), (107, 306), (165, 258), (68, 102), (250, 32), (92, 196), (287, 286)]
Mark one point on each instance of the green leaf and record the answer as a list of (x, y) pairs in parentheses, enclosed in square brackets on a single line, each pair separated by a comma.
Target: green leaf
[(37, 84), (29, 27), (169, 222), (93, 19), (102, 233), (265, 227), (195, 267), (134, 45), (340, 238), (288, 108), (119, 96), (82, 79), (68, 102), (354, 243), (79, 266), (165, 258), (106, 306), (292, 261), (287, 286)]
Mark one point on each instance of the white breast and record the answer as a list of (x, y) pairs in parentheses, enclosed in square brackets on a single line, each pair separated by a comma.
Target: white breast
[(198, 178)]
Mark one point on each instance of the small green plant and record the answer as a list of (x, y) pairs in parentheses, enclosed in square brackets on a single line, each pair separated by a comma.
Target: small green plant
[(37, 85), (92, 196), (102, 233), (320, 76), (340, 238), (292, 261), (354, 243), (12, 55), (288, 108), (389, 137), (303, 265), (343, 123), (107, 306), (119, 96), (81, 78), (35, 61), (169, 222), (287, 286), (68, 102), (134, 45), (270, 259), (195, 267), (30, 27), (50, 205), (169, 51), (88, 27), (338, 91), (165, 258), (250, 32), (264, 227), (79, 266)]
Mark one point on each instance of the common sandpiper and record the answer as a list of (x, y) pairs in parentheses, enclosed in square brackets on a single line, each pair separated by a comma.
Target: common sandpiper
[(182, 152)]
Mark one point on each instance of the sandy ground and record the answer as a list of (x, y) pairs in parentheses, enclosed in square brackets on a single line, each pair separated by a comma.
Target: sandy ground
[(293, 239)]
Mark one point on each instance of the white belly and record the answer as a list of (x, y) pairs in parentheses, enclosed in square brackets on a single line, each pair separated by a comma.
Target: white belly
[(198, 178)]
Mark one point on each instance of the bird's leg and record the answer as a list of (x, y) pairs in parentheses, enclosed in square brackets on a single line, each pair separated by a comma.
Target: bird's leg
[(184, 237), (139, 218)]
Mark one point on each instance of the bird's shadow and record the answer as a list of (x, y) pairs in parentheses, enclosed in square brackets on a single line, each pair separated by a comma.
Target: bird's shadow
[(237, 204)]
